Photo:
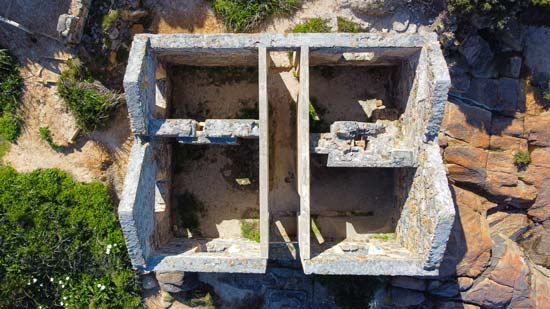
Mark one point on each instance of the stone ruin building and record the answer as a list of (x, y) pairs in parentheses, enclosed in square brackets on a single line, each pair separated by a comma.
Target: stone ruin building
[(323, 147)]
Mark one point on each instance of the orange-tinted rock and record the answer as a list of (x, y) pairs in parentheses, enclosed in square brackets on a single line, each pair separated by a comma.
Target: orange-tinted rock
[(467, 123), (506, 282), (476, 243), (511, 126), (540, 211), (509, 189), (502, 162), (509, 224), (466, 164), (510, 143), (537, 129), (540, 287), (465, 198)]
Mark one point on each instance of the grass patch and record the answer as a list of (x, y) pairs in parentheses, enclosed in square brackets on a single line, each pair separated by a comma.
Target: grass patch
[(352, 291), (46, 135), (247, 16), (109, 19), (346, 25), (89, 101), (11, 84), (4, 147), (316, 122), (316, 25), (521, 158), (250, 229), (61, 244), (383, 236), (188, 211)]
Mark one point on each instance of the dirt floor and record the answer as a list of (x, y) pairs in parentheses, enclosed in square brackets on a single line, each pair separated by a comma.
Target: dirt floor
[(211, 178), (335, 91), (348, 202), (214, 92), (173, 16), (284, 201)]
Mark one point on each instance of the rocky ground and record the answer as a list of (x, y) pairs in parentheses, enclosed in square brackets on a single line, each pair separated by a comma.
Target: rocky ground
[(499, 252)]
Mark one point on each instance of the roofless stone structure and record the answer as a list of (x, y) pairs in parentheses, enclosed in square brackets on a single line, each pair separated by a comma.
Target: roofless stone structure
[(363, 188)]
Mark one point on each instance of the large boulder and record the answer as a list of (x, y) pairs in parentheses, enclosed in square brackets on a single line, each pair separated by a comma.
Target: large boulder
[(537, 129), (473, 241), (536, 242), (537, 45), (467, 123), (176, 282), (466, 164), (476, 51), (506, 283)]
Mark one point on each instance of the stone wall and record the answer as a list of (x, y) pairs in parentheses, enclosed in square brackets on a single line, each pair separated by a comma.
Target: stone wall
[(136, 208)]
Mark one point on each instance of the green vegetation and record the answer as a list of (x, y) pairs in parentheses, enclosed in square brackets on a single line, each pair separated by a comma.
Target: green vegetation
[(317, 25), (60, 244), (352, 291), (250, 229), (315, 229), (11, 85), (246, 16), (546, 93), (521, 158), (202, 297), (90, 102), (346, 25), (4, 147), (46, 135), (383, 236), (10, 126), (188, 211), (499, 12), (109, 18), (316, 122)]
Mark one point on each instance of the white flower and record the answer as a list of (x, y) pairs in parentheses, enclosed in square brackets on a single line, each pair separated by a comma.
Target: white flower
[(67, 278), (34, 280), (64, 297), (62, 304), (109, 246), (98, 285), (62, 286), (102, 287), (41, 285), (114, 245), (107, 251), (51, 279), (60, 282), (29, 283)]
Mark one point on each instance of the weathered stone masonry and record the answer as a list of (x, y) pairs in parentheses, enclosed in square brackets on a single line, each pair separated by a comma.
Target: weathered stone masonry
[(407, 145)]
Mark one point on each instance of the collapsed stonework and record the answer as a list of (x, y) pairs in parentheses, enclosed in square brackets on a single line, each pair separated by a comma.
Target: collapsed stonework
[(70, 26), (371, 194)]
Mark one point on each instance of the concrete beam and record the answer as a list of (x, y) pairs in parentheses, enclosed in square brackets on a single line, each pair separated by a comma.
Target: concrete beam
[(264, 152), (303, 174)]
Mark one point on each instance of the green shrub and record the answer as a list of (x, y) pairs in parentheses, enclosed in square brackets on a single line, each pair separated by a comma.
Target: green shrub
[(11, 85), (250, 229), (4, 147), (90, 102), (317, 25), (521, 158), (46, 135), (500, 12), (10, 126), (109, 18), (246, 16), (346, 25), (60, 244)]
